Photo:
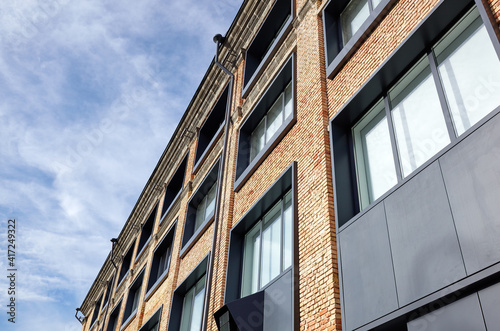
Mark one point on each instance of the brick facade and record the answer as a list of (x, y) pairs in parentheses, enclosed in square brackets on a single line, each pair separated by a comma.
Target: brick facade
[(307, 143)]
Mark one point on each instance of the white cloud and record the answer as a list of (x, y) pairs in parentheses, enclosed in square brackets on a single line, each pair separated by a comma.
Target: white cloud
[(90, 92)]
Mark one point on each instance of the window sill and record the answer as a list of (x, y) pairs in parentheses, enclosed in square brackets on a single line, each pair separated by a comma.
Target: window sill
[(143, 249), (267, 58), (336, 64), (156, 285), (194, 238), (209, 148), (122, 281), (128, 320), (268, 148), (173, 206)]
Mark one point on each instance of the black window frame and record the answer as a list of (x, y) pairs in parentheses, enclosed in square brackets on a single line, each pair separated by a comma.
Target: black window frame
[(134, 291), (126, 260), (336, 53), (113, 317), (108, 292), (211, 129), (146, 233), (153, 320), (190, 235), (265, 43), (165, 246), (97, 311), (198, 273), (417, 45), (174, 188), (286, 182), (244, 167)]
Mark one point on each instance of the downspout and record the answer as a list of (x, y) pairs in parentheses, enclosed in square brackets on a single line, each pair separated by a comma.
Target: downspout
[(219, 40)]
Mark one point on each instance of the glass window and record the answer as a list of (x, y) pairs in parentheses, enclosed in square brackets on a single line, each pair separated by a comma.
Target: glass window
[(374, 157), (268, 247), (272, 121), (192, 308), (418, 118), (133, 298), (206, 207), (352, 18), (470, 71)]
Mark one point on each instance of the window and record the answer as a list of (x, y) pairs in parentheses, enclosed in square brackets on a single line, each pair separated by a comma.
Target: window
[(192, 308), (113, 318), (345, 23), (147, 231), (266, 42), (400, 122), (461, 60), (126, 263), (188, 300), (96, 311), (153, 323), (201, 207), (261, 243), (174, 187), (133, 299), (161, 261), (108, 292), (211, 130), (268, 122), (268, 247)]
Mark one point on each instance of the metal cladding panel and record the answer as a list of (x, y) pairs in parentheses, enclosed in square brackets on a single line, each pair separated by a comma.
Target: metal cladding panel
[(462, 315), (471, 173), (424, 242), (278, 304), (369, 288), (490, 302)]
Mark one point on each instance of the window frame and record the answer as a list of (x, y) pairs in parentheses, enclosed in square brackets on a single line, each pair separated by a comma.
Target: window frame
[(172, 193), (109, 289), (167, 242), (153, 320), (149, 225), (115, 314), (244, 166), (416, 46), (97, 311), (219, 109), (176, 307), (135, 288), (337, 54), (254, 66), (125, 257), (286, 182), (190, 233)]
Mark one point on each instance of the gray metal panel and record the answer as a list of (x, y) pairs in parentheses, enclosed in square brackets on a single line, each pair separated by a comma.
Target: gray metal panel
[(278, 304), (471, 173), (462, 315), (368, 278), (423, 239), (490, 302)]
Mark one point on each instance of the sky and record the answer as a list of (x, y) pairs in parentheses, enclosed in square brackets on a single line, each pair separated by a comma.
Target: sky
[(90, 94)]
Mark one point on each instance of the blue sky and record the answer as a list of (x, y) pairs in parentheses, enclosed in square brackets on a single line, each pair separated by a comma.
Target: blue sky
[(90, 93)]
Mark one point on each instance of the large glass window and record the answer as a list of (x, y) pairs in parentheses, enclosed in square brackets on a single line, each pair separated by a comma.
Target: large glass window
[(126, 263), (268, 247), (456, 80), (271, 122), (192, 308), (134, 295), (205, 209), (113, 317), (161, 261)]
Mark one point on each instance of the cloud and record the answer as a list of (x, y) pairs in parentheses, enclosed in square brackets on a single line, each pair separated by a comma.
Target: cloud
[(90, 92)]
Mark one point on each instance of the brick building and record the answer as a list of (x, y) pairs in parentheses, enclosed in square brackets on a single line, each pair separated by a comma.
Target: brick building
[(338, 169)]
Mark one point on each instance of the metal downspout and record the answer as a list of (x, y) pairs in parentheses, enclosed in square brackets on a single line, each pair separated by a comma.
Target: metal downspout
[(219, 40)]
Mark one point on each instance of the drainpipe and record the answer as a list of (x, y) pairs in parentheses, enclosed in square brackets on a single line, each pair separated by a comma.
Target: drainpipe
[(219, 40)]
